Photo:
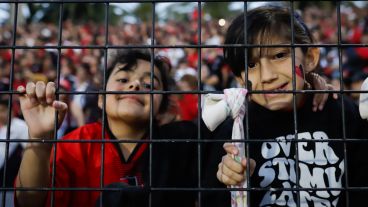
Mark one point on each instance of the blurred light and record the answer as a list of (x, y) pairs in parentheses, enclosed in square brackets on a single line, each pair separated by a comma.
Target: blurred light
[(118, 11), (207, 17), (222, 22)]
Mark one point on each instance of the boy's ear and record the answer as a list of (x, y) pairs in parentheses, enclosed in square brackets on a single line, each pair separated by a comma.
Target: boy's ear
[(100, 101), (312, 59)]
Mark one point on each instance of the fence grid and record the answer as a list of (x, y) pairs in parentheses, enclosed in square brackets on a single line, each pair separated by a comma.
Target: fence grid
[(199, 140)]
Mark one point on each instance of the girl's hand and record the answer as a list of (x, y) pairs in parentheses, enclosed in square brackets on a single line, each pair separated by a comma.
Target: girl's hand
[(231, 172), (38, 106), (319, 83)]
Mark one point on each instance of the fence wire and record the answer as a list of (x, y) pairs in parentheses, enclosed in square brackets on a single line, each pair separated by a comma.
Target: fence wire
[(105, 46)]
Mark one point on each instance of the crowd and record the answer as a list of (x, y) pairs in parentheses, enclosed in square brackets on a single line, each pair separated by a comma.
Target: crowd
[(81, 70)]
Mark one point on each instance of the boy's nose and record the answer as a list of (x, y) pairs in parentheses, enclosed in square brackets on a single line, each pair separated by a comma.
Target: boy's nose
[(134, 85)]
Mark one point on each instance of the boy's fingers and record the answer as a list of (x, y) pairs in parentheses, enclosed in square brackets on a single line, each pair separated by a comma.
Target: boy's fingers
[(230, 148), (31, 92), (21, 90), (50, 92), (230, 163), (60, 106), (41, 92)]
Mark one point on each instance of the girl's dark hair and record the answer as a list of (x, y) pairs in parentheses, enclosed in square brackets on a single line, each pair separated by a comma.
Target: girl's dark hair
[(130, 58), (264, 25)]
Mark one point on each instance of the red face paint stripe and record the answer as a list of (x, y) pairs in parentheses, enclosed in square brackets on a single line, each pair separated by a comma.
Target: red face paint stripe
[(299, 71)]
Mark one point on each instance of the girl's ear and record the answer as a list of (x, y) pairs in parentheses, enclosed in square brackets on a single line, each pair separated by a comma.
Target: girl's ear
[(240, 79), (312, 59)]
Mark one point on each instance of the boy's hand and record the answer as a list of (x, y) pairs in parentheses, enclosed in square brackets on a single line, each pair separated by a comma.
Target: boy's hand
[(231, 172), (38, 106), (319, 83)]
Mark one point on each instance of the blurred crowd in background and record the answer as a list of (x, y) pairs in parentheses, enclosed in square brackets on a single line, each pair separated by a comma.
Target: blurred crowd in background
[(81, 69)]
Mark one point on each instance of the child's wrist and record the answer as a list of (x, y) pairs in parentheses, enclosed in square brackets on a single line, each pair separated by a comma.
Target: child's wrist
[(41, 136), (39, 144), (40, 141)]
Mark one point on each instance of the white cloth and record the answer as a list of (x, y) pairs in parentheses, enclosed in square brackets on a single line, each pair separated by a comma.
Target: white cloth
[(184, 71), (80, 99), (363, 100), (216, 108), (18, 130)]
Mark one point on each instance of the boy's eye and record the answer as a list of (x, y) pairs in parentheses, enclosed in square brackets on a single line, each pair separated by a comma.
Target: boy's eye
[(122, 80), (146, 85)]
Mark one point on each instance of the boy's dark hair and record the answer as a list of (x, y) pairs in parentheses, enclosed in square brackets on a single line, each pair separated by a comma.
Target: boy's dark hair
[(263, 25), (4, 100), (130, 57)]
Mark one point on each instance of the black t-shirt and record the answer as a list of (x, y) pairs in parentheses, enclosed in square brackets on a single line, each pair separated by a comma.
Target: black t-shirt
[(321, 158), (171, 169)]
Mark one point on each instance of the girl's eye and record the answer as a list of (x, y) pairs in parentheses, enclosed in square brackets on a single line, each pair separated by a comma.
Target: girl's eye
[(251, 65), (280, 55), (122, 80)]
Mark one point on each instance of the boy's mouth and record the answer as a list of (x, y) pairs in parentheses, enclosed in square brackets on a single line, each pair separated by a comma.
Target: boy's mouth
[(282, 87), (131, 98)]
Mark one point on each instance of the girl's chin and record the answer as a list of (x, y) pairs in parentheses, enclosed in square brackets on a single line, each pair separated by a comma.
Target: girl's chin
[(283, 103)]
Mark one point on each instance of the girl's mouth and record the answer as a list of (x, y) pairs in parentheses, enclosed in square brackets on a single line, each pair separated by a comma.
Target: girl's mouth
[(282, 87)]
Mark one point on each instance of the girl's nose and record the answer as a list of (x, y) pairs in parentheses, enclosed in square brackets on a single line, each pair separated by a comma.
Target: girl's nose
[(267, 72)]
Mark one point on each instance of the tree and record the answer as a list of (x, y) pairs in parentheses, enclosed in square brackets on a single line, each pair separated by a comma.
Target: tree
[(78, 12), (217, 9), (143, 12)]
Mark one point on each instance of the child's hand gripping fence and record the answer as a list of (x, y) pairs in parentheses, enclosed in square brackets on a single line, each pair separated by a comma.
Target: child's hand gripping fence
[(216, 108)]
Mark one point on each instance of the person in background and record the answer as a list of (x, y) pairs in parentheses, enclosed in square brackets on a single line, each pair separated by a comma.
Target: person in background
[(18, 131), (188, 102)]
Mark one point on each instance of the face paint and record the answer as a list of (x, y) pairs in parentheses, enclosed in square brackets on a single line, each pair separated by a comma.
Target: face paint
[(299, 71)]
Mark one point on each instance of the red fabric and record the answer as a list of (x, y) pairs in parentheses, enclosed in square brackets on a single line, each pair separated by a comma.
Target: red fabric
[(362, 52), (6, 55), (79, 165), (192, 60), (188, 107), (356, 36)]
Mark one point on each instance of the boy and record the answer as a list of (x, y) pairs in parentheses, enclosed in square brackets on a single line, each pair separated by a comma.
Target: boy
[(125, 164)]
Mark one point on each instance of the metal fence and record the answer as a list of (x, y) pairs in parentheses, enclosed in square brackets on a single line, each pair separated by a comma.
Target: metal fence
[(154, 46)]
